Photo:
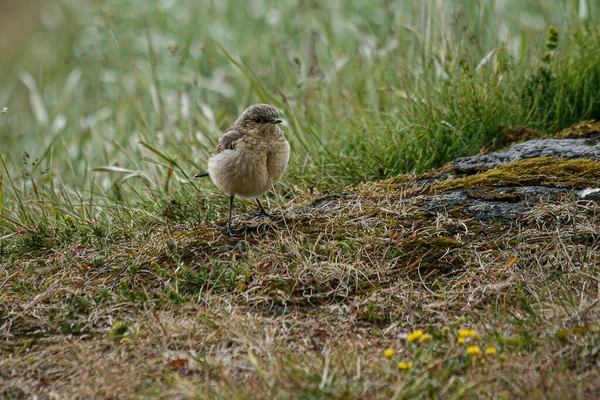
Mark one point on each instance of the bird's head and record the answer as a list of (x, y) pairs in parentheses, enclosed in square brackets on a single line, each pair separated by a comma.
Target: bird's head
[(259, 118)]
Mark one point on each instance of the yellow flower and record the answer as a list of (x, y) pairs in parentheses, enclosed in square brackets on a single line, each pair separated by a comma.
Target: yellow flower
[(490, 351), (388, 353), (405, 365), (426, 338), (462, 340), (415, 335), (465, 333), (473, 350)]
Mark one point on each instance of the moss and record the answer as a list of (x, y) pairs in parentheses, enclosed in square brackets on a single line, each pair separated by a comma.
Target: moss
[(430, 242), (584, 129), (340, 236), (405, 183), (541, 171), (429, 255), (424, 245), (521, 134), (566, 334), (499, 245)]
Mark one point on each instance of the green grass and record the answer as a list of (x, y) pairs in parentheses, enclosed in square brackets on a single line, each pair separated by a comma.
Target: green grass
[(118, 104)]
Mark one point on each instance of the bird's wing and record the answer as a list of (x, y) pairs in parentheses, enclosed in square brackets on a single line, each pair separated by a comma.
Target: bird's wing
[(229, 140)]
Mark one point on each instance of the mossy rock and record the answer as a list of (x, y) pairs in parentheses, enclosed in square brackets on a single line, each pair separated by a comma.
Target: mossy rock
[(541, 171), (584, 129)]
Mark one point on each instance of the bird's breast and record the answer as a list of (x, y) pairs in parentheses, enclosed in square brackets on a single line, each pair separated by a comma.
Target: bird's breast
[(277, 160)]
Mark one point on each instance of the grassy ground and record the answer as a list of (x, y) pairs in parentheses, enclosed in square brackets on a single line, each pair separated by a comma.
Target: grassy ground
[(116, 280), (306, 305)]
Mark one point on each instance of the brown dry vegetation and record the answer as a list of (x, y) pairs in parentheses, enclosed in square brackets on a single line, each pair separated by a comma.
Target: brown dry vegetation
[(305, 304)]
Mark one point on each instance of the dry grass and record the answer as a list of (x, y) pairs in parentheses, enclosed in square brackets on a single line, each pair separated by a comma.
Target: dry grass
[(305, 305)]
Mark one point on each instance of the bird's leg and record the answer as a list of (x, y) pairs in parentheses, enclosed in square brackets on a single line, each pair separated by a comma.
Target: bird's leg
[(262, 210), (229, 233)]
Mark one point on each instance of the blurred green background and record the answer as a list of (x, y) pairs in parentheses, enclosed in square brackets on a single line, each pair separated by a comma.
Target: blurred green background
[(119, 102)]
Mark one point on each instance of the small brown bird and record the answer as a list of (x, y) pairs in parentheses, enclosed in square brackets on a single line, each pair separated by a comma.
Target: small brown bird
[(251, 157)]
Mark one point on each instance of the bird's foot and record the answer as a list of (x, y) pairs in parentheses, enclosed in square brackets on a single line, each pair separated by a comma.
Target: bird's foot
[(263, 213), (228, 231)]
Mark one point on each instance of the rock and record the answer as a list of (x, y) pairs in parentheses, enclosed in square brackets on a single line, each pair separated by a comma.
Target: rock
[(557, 148), (499, 186), (500, 203), (589, 194)]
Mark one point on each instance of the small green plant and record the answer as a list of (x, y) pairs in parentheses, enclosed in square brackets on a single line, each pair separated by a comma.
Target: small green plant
[(217, 277), (118, 330), (97, 262), (539, 94)]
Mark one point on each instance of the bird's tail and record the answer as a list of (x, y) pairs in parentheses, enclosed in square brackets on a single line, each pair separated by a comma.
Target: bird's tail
[(201, 174)]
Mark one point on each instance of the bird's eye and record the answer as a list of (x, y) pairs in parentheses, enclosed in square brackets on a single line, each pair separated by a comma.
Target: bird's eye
[(258, 120)]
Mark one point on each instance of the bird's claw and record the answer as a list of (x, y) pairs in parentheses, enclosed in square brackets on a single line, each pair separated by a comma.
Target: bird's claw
[(228, 231), (263, 213)]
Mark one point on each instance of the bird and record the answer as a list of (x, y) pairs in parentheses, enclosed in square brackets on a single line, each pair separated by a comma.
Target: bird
[(251, 156)]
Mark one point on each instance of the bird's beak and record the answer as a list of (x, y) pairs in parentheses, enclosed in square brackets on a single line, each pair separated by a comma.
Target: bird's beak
[(276, 121)]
